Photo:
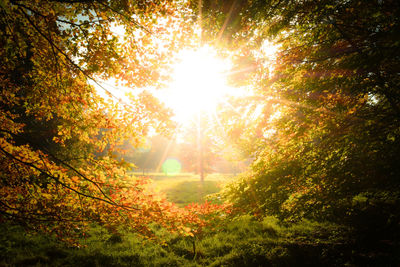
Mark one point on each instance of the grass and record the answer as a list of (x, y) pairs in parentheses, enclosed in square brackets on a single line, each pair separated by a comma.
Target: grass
[(241, 241), (244, 241), (188, 192), (186, 188)]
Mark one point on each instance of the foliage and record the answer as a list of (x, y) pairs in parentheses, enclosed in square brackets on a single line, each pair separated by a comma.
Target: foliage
[(54, 127), (322, 127), (328, 130), (323, 124)]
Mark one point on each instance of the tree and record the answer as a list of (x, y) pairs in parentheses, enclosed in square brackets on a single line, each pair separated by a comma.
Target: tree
[(53, 123), (151, 158), (326, 142), (198, 150)]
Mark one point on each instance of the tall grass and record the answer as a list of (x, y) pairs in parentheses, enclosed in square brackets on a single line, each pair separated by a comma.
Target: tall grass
[(243, 242)]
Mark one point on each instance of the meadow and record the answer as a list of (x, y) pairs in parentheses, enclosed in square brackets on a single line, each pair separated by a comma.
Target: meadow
[(241, 241), (186, 188)]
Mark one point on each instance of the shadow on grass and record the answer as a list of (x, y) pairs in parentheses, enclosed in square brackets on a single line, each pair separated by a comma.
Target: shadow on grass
[(188, 192)]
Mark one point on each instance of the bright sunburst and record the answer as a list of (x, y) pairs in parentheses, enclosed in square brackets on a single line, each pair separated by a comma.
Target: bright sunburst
[(198, 83)]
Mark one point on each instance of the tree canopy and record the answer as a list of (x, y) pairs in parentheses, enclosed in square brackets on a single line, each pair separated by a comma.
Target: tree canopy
[(327, 140), (54, 125)]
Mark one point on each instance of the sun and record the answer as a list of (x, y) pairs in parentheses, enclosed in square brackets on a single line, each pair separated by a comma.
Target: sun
[(198, 84)]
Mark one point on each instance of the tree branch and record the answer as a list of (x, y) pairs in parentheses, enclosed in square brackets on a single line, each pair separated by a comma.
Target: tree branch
[(63, 184), (64, 54)]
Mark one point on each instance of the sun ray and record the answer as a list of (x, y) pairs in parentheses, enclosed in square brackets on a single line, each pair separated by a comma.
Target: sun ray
[(226, 20), (165, 154)]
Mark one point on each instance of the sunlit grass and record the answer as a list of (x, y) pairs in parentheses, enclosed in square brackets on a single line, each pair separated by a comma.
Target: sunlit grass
[(187, 192), (186, 188)]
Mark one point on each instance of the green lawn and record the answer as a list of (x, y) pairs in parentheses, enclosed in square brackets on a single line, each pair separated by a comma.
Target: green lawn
[(186, 188)]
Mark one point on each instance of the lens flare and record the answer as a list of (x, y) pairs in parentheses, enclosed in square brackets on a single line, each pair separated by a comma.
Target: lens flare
[(171, 167)]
